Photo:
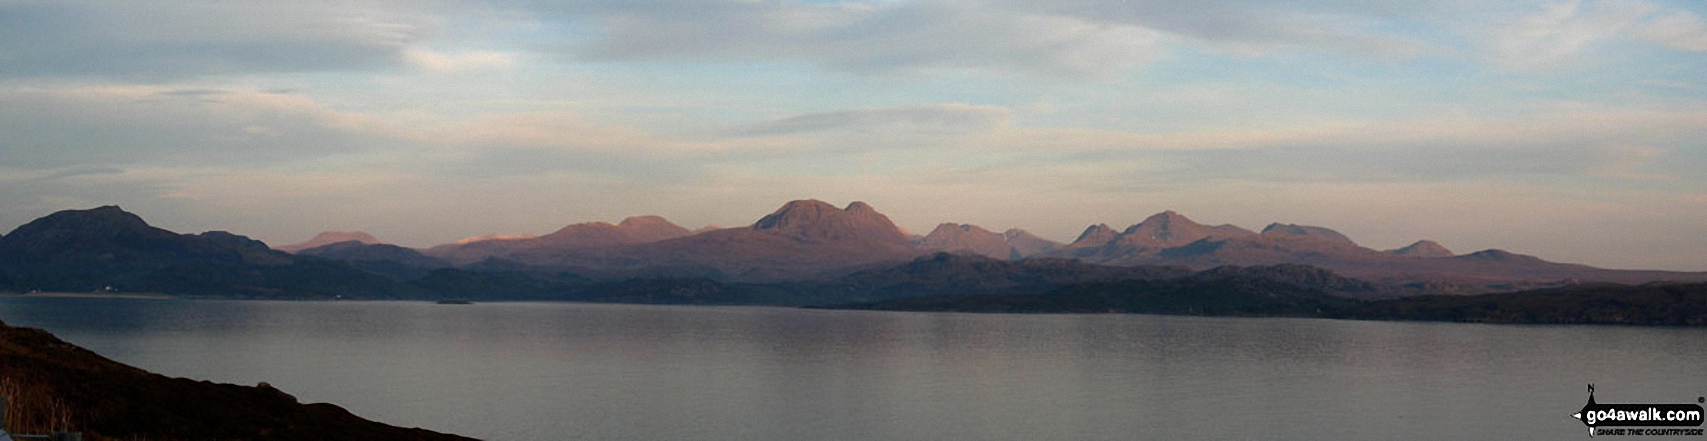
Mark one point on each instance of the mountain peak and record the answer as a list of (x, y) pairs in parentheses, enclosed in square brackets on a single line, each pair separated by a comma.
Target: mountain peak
[(1423, 248), (1163, 225), (643, 220), (1294, 230), (968, 238), (110, 214), (795, 209), (233, 240), (1024, 244), (631, 230), (104, 221), (813, 219), (964, 228), (1094, 236), (1497, 255), (494, 236), (1167, 215), (1169, 229), (330, 237)]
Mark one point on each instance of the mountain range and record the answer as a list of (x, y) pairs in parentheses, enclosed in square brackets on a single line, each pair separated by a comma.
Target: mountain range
[(810, 250), (631, 231), (800, 240), (1169, 238), (809, 239), (108, 249)]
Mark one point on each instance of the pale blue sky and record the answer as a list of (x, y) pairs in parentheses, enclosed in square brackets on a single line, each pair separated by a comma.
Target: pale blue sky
[(1572, 130)]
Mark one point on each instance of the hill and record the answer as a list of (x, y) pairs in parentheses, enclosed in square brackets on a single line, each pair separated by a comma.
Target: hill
[(107, 248), (53, 385)]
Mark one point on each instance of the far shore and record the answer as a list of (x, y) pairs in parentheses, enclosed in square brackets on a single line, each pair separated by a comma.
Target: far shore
[(103, 295)]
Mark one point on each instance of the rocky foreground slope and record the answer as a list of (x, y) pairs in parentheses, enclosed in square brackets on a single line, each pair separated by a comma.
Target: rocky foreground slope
[(53, 385)]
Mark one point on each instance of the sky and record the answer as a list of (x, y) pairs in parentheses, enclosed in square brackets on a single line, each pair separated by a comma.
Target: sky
[(1571, 130)]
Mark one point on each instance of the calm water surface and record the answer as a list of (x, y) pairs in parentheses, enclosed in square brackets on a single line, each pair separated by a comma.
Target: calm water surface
[(545, 371)]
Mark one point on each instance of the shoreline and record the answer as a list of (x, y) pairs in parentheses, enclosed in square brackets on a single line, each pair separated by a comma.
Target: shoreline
[(91, 295), (1423, 318)]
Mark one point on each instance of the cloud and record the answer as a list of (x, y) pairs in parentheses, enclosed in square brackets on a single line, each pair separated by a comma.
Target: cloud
[(1560, 33), (1624, 144), (1098, 39), (1260, 27), (574, 131), (153, 41), (506, 162), (940, 119), (867, 37), (31, 193), (1556, 34), (434, 61), (547, 143), (69, 125), (1682, 30), (74, 171)]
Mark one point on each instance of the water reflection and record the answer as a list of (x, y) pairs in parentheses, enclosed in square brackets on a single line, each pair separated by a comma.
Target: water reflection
[(576, 371)]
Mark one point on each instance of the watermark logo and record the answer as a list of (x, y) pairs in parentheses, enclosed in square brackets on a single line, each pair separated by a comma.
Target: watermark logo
[(1639, 419)]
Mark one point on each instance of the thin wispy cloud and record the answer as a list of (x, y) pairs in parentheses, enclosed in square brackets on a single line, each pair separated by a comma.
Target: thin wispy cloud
[(945, 119), (157, 41), (1682, 30), (870, 37), (433, 121)]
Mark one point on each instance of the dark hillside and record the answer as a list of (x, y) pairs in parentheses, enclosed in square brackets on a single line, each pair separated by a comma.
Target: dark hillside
[(53, 385)]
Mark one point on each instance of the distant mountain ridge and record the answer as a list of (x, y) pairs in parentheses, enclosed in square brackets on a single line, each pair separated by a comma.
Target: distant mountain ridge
[(630, 231), (828, 241), (1013, 244), (328, 238), (802, 240), (1171, 239)]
